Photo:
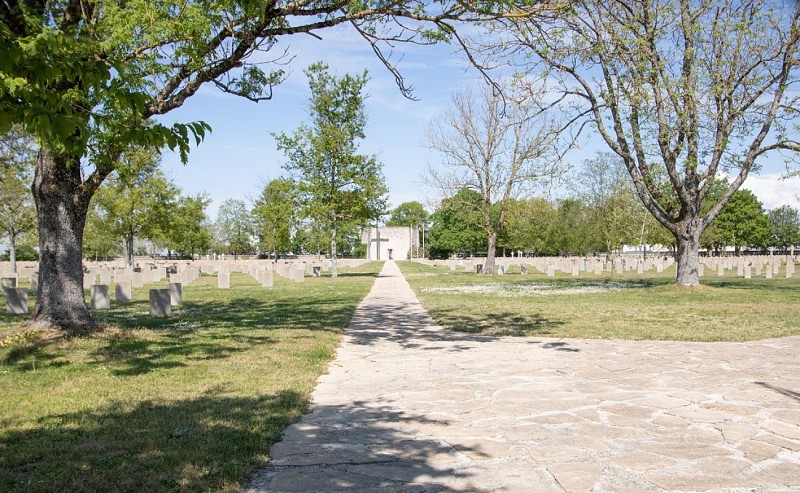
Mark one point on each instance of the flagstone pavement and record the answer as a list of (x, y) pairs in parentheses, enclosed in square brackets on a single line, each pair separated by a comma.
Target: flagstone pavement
[(407, 407)]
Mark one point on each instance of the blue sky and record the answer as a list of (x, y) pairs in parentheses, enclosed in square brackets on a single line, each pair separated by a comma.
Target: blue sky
[(239, 156)]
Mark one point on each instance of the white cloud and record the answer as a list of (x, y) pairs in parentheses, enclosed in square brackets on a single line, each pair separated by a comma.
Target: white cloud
[(773, 191)]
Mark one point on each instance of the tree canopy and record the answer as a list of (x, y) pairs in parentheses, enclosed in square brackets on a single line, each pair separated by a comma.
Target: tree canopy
[(497, 147), (456, 227), (336, 185), (408, 214), (137, 201), (676, 89), (17, 211), (275, 216), (784, 227), (235, 227)]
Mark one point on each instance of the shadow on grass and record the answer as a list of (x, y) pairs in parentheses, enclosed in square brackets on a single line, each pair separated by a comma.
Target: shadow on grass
[(242, 313), (365, 446), (197, 331), (215, 442), (411, 327), (204, 444), (351, 274), (773, 285), (213, 330), (498, 323)]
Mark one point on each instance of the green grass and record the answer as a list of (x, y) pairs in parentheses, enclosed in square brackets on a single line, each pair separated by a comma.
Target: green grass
[(188, 403), (647, 306)]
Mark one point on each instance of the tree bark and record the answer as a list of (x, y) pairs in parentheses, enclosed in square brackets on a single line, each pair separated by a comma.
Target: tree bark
[(129, 249), (688, 254), (62, 203), (488, 268), (12, 250), (334, 231)]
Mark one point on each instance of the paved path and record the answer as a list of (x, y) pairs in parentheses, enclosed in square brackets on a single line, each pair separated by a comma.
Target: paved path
[(407, 407)]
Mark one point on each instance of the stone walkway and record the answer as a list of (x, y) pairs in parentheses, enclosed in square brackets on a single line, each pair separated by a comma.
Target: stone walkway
[(407, 407)]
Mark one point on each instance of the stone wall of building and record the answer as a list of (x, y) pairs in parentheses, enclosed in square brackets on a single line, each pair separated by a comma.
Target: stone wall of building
[(389, 243)]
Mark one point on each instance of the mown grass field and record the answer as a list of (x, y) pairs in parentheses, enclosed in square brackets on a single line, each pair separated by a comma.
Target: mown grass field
[(188, 403), (627, 306)]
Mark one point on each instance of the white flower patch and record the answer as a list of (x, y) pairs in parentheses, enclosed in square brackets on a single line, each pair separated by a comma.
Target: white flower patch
[(515, 290), (184, 324)]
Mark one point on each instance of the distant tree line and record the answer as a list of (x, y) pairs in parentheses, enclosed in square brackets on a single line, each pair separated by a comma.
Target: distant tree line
[(600, 215)]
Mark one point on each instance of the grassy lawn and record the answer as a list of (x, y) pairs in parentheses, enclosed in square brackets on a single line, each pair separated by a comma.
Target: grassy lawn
[(188, 403), (627, 306)]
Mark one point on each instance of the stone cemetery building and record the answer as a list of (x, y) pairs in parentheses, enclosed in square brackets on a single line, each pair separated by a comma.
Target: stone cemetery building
[(395, 243)]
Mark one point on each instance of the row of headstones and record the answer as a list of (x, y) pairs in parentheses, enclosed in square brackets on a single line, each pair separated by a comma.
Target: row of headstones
[(768, 267), (264, 273), (99, 296), (747, 267), (139, 279), (127, 279), (211, 267), (24, 269), (155, 271), (570, 266)]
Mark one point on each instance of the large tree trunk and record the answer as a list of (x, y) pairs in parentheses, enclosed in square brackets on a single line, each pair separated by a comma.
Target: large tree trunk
[(62, 204), (129, 248), (488, 268), (688, 254), (334, 231), (12, 250)]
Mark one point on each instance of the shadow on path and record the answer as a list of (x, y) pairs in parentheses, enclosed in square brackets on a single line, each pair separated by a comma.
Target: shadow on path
[(788, 393), (365, 447)]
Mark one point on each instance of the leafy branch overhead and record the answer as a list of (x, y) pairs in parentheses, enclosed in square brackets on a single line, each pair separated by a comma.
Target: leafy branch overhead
[(107, 67)]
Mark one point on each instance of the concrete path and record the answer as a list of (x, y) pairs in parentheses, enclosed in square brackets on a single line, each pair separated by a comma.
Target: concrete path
[(407, 407)]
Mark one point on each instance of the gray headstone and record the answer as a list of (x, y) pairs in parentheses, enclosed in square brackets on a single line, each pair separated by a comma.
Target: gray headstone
[(316, 271), (100, 297), (160, 303), (523, 269), (266, 278), (123, 289), (8, 283), (224, 280), (479, 268), (175, 293), (137, 279), (16, 301), (89, 280)]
